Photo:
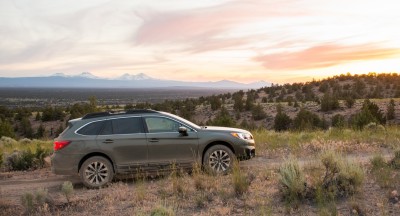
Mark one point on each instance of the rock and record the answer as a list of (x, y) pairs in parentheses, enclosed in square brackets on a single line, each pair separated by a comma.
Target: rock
[(394, 194)]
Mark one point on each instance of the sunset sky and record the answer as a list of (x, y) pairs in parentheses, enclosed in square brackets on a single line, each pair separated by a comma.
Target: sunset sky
[(204, 40)]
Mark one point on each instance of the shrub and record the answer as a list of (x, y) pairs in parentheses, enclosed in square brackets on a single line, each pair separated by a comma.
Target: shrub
[(372, 126), (282, 121), (8, 141), (329, 102), (292, 181), (342, 177), (349, 101), (27, 201), (41, 196), (240, 181), (26, 159), (223, 119), (25, 141), (306, 120), (258, 112), (378, 162), (390, 110), (338, 121), (67, 188), (370, 112), (162, 210), (6, 129), (381, 171), (395, 162)]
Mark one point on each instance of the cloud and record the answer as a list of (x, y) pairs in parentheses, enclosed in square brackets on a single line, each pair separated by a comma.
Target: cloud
[(324, 55), (189, 25)]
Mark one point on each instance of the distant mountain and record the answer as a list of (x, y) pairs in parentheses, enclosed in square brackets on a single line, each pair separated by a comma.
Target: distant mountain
[(140, 76), (141, 80)]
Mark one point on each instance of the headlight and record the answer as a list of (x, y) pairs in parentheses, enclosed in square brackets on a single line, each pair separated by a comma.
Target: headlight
[(244, 136)]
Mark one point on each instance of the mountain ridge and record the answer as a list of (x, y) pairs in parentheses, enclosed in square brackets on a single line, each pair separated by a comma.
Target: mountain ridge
[(140, 80)]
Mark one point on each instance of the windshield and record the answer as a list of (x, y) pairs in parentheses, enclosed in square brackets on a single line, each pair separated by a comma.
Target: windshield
[(189, 123)]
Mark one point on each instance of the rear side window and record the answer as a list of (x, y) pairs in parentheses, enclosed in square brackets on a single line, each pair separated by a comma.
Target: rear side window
[(127, 125), (91, 129), (107, 129)]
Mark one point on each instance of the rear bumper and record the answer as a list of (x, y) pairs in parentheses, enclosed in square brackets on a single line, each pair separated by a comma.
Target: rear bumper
[(64, 164)]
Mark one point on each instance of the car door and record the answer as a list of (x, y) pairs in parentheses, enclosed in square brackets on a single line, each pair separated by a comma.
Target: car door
[(166, 146), (125, 140)]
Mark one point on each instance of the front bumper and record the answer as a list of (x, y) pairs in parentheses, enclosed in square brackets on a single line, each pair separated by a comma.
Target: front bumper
[(246, 153)]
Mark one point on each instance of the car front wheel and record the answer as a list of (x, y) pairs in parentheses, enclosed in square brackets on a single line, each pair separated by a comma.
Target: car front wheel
[(218, 159), (96, 172)]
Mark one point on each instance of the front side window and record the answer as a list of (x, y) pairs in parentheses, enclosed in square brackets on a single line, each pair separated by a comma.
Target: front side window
[(158, 124)]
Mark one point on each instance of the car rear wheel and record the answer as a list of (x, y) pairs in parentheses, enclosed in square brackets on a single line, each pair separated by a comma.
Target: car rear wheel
[(96, 172), (218, 159)]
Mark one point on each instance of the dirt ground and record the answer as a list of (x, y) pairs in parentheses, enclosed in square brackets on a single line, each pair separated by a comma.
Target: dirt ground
[(14, 184)]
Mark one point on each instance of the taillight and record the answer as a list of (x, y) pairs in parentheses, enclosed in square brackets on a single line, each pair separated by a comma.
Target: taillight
[(60, 144)]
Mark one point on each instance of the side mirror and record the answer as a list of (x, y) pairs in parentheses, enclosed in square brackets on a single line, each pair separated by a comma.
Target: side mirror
[(183, 131)]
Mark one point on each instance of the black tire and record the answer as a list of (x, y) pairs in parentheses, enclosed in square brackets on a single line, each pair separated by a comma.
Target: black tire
[(96, 172), (218, 159)]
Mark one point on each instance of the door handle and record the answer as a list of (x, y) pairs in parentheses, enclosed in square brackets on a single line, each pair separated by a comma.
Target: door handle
[(154, 140), (108, 141)]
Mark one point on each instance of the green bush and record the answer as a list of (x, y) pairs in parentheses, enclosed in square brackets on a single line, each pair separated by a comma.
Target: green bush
[(292, 182), (25, 141), (241, 182), (223, 119), (381, 171), (67, 188), (27, 201), (162, 210), (258, 112), (26, 159), (41, 196), (342, 177), (338, 121), (329, 102), (395, 162), (370, 112), (306, 120), (282, 121), (8, 141)]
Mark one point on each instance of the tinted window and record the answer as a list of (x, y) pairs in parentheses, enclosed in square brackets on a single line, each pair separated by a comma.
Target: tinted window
[(127, 125), (92, 128), (156, 124), (107, 129)]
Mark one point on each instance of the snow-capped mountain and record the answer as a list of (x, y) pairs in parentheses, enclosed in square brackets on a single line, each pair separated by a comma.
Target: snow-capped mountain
[(139, 76), (87, 75)]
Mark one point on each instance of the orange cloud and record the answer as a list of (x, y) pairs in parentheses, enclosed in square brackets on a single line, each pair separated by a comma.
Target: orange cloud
[(324, 55)]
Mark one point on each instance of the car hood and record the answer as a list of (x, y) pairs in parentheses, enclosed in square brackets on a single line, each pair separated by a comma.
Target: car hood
[(226, 129)]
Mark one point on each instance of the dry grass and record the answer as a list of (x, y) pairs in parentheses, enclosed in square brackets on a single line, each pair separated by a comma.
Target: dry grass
[(216, 196), (252, 190), (311, 142)]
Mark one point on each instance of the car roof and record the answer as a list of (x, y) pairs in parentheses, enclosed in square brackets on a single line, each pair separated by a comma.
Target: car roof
[(115, 113)]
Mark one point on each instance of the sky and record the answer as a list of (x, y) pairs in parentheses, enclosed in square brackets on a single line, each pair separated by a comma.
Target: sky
[(208, 40)]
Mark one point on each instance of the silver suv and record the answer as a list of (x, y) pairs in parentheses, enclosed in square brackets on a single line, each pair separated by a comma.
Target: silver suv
[(100, 145)]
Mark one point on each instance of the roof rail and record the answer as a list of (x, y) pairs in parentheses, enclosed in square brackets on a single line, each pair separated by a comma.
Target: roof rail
[(135, 111), (110, 113), (95, 115)]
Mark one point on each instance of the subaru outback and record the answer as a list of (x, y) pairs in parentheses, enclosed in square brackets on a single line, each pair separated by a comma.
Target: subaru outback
[(100, 145)]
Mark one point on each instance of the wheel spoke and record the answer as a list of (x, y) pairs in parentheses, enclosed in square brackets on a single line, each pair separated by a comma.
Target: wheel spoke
[(219, 160)]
